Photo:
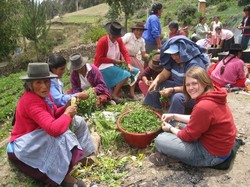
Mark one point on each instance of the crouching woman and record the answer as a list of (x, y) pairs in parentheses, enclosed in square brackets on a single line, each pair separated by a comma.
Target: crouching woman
[(41, 144), (210, 131)]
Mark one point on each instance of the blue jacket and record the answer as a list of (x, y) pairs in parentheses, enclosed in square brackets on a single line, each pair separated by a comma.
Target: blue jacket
[(153, 31)]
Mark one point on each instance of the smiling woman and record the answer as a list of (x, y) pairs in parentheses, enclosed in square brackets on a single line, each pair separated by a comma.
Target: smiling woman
[(199, 142)]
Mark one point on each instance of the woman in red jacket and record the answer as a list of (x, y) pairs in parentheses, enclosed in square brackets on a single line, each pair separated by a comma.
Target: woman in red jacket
[(209, 135), (110, 55), (42, 144)]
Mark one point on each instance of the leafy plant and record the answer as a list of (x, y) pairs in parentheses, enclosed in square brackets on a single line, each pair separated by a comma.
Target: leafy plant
[(140, 121), (93, 34), (88, 106)]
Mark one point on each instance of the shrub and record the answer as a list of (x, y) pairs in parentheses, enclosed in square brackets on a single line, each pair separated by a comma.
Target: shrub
[(187, 14), (93, 34), (222, 7), (243, 2), (140, 14)]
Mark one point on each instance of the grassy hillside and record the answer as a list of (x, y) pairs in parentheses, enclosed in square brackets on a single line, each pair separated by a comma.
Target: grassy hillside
[(88, 15)]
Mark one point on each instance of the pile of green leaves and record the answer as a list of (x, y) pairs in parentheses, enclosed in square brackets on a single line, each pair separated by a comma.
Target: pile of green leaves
[(106, 170), (107, 131), (140, 121), (88, 106)]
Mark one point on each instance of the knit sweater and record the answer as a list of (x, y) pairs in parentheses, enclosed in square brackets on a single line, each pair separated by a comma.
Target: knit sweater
[(211, 123), (34, 113)]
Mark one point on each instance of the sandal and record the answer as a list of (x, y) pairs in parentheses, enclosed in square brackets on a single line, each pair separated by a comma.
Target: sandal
[(158, 159), (78, 183)]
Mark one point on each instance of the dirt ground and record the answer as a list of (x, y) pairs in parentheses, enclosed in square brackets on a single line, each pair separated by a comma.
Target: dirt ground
[(176, 173)]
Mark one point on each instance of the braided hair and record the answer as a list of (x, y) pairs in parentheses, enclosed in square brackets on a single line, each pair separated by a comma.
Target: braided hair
[(155, 8)]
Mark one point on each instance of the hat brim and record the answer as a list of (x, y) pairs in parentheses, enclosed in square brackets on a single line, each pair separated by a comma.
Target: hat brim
[(107, 28), (138, 28), (84, 62), (26, 77), (173, 49)]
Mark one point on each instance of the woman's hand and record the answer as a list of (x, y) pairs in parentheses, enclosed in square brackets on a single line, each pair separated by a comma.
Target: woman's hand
[(167, 117), (166, 92), (130, 68), (166, 126), (83, 95), (152, 86), (118, 62), (71, 111), (148, 82)]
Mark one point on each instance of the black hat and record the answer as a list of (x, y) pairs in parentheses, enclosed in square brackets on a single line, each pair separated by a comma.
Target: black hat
[(114, 28), (235, 47)]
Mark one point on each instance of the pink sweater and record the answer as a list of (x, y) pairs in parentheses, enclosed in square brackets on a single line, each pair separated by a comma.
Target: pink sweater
[(234, 71), (34, 113)]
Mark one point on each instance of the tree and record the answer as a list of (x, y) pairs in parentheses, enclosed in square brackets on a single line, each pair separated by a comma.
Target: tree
[(9, 27), (34, 25), (128, 7)]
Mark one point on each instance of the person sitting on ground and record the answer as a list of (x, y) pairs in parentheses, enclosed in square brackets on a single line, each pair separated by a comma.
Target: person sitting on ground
[(135, 44), (209, 135), (202, 30), (84, 75), (57, 65), (178, 54), (175, 31), (150, 73), (41, 143), (226, 38), (110, 50), (230, 70)]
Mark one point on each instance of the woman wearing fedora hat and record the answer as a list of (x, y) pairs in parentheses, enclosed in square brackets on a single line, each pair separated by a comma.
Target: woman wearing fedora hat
[(135, 44), (150, 73), (110, 52), (230, 70), (41, 144), (84, 75)]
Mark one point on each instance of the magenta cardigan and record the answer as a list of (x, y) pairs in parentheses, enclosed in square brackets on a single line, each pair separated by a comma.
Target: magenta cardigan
[(94, 77), (32, 113)]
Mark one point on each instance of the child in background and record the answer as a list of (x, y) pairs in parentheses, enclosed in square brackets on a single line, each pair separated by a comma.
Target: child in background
[(175, 31)]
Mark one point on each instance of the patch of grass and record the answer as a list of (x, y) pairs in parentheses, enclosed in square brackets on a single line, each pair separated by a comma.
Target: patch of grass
[(80, 19)]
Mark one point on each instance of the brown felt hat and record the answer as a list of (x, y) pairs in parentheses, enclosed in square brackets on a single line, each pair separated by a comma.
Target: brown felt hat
[(139, 25), (154, 62)]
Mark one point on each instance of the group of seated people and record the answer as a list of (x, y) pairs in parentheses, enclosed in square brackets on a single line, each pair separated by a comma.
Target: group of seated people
[(44, 146)]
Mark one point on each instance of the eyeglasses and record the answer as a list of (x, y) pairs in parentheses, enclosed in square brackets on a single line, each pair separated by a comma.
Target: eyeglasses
[(191, 84)]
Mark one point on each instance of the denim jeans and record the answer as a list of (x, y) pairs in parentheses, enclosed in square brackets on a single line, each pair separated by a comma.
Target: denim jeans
[(177, 100), (244, 42), (192, 153)]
